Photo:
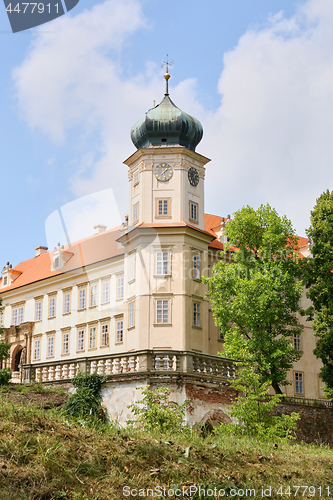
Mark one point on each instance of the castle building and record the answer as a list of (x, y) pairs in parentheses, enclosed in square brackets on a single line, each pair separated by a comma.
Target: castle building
[(130, 298)]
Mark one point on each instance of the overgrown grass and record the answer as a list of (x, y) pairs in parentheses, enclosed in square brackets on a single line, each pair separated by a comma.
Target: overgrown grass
[(44, 456)]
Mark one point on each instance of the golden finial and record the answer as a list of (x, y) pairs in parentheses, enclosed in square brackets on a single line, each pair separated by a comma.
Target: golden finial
[(167, 75)]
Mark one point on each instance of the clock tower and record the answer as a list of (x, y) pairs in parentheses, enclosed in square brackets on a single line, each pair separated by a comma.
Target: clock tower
[(165, 242), (166, 175)]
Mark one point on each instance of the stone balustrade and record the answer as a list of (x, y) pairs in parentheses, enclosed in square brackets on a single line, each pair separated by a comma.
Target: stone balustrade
[(131, 364)]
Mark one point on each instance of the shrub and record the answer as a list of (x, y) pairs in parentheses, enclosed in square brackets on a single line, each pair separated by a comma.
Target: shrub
[(5, 376), (156, 413), (85, 403), (252, 413)]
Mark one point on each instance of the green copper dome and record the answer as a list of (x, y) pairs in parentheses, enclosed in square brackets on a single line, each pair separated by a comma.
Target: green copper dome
[(167, 125)]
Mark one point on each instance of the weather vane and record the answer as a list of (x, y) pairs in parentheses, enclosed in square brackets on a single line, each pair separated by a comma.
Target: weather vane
[(167, 76)]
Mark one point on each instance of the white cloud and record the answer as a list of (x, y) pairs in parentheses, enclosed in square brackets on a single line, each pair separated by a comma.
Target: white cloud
[(270, 140)]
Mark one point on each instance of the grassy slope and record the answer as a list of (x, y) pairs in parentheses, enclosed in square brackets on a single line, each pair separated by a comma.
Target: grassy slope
[(44, 457)]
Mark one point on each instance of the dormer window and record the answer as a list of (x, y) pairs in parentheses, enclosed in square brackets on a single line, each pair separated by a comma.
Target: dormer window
[(60, 257), (5, 280)]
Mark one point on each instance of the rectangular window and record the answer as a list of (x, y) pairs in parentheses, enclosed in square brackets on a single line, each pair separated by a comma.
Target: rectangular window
[(136, 178), (105, 292), (50, 347), (298, 383), (17, 316), (196, 314), (120, 330), (20, 315), (162, 311), (297, 341), (93, 295), (196, 267), (37, 349), (163, 207), (92, 337), (162, 263), (80, 340), (105, 335), (14, 317), (51, 307), (131, 315), (193, 211), (131, 274), (5, 281), (82, 298), (135, 213), (67, 303), (120, 287), (65, 343), (38, 310)]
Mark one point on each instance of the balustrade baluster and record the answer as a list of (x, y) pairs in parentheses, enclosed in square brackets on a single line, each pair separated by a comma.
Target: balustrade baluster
[(117, 367), (65, 371), (132, 363), (177, 363), (195, 363), (100, 367), (51, 372), (93, 367), (45, 374), (124, 362), (72, 370), (58, 372), (108, 366)]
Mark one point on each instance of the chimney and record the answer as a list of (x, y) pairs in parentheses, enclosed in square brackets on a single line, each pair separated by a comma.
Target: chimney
[(100, 228), (41, 250)]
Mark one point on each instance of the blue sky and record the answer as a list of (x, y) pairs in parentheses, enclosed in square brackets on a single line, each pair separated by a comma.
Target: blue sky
[(258, 75)]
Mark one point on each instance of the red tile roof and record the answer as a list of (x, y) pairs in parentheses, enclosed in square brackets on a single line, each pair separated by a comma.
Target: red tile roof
[(100, 247), (87, 251)]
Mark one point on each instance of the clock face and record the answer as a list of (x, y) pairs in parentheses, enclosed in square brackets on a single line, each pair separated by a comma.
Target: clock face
[(163, 172), (193, 176)]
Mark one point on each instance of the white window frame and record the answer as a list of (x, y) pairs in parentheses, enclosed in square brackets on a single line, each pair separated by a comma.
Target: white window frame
[(105, 292), (65, 343), (162, 311), (120, 287), (82, 298), (38, 309), (50, 346), (131, 267), (196, 314), (119, 330), (163, 263), (105, 335), (131, 315), (163, 208), (193, 214), (52, 306), (299, 382), (297, 341), (136, 178), (135, 213), (80, 340), (67, 303), (196, 266), (93, 337), (93, 294), (17, 315), (37, 350)]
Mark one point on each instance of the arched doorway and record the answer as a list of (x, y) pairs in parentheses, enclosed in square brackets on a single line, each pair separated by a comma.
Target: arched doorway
[(16, 358), (213, 419)]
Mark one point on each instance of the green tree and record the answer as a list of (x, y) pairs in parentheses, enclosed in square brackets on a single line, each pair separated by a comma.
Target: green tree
[(255, 297), (5, 373), (319, 280), (253, 411), (156, 413)]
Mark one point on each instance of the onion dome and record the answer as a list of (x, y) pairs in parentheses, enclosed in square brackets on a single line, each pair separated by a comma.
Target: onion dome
[(167, 125)]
